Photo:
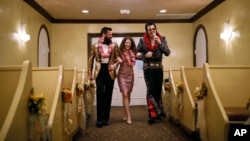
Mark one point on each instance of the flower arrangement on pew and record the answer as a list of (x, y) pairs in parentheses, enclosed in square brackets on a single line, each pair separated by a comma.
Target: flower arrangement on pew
[(178, 103), (166, 96), (79, 89), (89, 85), (80, 106), (89, 96), (167, 86), (67, 95), (37, 117), (37, 103), (179, 87), (67, 103), (201, 91)]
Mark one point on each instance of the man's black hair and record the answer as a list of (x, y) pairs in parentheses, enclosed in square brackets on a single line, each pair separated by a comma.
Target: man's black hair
[(105, 30), (149, 23)]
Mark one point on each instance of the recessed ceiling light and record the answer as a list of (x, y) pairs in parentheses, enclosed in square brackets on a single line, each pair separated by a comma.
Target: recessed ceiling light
[(124, 11), (85, 11), (163, 11)]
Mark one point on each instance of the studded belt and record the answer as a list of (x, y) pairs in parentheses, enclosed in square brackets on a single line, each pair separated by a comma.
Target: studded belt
[(152, 65)]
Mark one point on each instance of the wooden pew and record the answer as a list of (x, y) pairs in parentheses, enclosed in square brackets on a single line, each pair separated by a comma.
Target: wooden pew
[(174, 76), (191, 77), (81, 76), (227, 86), (15, 85), (49, 81), (165, 94), (166, 74), (70, 81)]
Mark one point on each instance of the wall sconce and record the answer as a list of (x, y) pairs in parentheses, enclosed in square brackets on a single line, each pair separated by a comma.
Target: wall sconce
[(227, 33), (21, 36)]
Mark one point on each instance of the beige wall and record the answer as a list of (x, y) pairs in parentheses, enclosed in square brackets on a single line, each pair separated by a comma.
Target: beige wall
[(69, 42), (237, 50), (12, 14)]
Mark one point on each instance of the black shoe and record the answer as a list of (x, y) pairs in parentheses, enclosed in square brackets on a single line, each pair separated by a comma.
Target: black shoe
[(99, 124), (105, 123), (163, 115), (159, 118), (151, 121)]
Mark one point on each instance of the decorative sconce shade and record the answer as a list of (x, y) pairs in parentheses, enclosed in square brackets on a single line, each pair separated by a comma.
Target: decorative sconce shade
[(21, 36), (227, 33)]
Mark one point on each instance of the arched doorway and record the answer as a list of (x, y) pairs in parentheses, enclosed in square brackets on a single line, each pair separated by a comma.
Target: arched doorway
[(43, 47), (200, 46)]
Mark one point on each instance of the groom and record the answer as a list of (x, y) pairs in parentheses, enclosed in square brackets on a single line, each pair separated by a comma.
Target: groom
[(104, 54)]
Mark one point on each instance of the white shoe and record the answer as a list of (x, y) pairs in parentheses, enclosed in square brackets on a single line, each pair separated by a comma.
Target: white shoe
[(129, 122)]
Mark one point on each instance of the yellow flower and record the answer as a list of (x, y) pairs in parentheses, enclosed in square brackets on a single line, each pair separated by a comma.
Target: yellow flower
[(37, 103), (179, 87)]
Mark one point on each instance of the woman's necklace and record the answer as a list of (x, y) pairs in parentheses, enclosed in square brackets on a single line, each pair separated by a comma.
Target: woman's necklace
[(129, 56), (100, 48)]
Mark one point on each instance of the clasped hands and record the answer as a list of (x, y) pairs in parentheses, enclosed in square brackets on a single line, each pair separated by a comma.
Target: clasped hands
[(147, 55), (111, 67)]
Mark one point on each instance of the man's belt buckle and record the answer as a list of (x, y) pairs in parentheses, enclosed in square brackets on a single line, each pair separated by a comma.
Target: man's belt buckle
[(154, 65)]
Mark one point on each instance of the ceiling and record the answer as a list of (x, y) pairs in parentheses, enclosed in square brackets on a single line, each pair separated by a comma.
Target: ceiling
[(109, 10)]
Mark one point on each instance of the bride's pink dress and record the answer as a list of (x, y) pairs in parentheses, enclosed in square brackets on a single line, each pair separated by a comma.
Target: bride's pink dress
[(125, 76)]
